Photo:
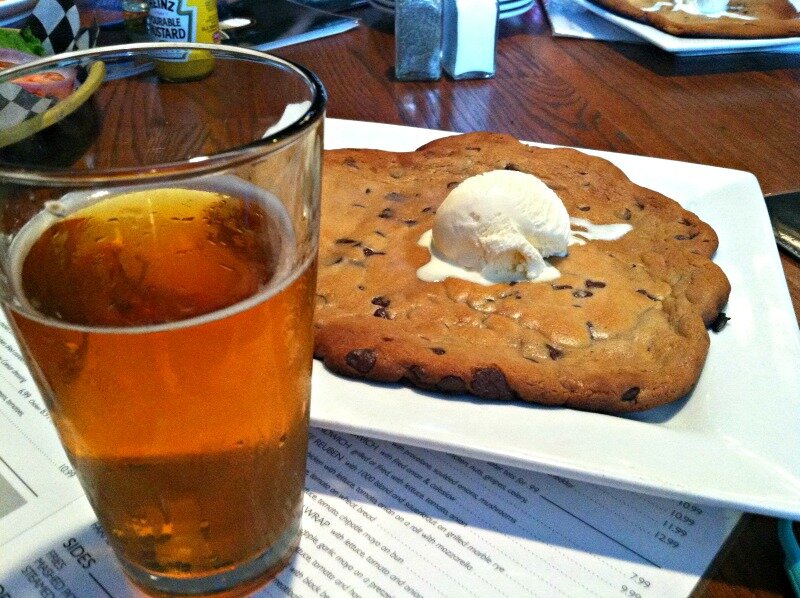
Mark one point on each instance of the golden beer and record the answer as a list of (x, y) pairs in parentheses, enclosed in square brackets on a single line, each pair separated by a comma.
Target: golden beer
[(173, 344)]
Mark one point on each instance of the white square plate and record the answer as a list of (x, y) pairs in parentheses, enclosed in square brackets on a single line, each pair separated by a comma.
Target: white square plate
[(734, 442), (693, 46)]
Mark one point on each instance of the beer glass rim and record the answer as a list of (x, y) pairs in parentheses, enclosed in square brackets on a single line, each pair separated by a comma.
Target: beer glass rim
[(35, 175)]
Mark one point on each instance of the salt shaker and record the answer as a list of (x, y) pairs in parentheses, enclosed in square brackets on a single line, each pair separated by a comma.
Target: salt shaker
[(418, 40), (469, 38)]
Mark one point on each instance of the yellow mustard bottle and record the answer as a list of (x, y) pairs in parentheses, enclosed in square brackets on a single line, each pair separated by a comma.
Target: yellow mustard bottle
[(184, 21)]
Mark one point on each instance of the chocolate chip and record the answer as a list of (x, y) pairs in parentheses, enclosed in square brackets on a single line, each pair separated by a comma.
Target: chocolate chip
[(361, 360), (361, 287), (452, 384), (555, 353), (380, 233), (581, 293), (380, 300), (409, 222), (646, 294), (625, 214), (561, 287), (490, 383), (368, 252), (382, 313), (630, 394), (336, 260), (687, 237), (595, 284), (367, 190), (386, 213), (427, 209), (438, 350), (720, 322), (358, 205), (346, 241), (640, 204), (416, 374), (394, 196), (351, 162), (452, 184), (685, 222), (512, 166), (513, 282), (584, 208)]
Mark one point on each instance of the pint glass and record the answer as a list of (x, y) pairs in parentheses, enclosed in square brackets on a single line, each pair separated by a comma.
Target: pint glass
[(158, 259)]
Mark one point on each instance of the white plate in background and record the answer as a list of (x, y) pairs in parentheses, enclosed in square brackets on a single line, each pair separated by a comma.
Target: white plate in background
[(693, 46), (735, 442), (518, 9)]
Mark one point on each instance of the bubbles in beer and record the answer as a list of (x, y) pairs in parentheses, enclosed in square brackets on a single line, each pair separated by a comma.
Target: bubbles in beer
[(56, 208), (150, 257)]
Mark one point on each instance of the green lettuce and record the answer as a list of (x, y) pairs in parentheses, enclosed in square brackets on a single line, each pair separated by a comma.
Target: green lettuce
[(23, 40)]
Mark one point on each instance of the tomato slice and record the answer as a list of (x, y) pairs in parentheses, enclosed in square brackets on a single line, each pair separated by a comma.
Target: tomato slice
[(58, 83)]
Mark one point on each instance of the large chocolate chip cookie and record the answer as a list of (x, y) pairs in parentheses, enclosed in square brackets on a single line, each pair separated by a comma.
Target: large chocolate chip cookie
[(622, 329)]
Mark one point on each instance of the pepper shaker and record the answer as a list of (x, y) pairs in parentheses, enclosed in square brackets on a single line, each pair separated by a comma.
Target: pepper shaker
[(418, 40)]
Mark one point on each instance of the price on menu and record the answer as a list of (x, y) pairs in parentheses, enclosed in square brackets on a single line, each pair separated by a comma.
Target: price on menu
[(635, 586)]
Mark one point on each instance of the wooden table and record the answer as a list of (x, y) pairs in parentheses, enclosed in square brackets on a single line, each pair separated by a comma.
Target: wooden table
[(738, 111)]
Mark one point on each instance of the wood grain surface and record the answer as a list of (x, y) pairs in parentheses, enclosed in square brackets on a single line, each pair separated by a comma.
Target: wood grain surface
[(735, 111)]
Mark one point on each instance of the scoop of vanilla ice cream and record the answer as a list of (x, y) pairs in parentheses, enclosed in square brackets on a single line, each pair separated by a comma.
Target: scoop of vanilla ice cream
[(502, 223)]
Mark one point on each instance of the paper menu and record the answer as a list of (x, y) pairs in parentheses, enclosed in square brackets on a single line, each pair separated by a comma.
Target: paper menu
[(380, 519), (487, 529), (36, 478)]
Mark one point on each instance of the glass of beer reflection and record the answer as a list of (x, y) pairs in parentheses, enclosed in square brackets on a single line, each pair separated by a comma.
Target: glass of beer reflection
[(158, 256)]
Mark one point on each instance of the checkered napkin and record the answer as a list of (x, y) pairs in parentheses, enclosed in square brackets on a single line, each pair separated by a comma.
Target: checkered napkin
[(17, 105), (57, 24)]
